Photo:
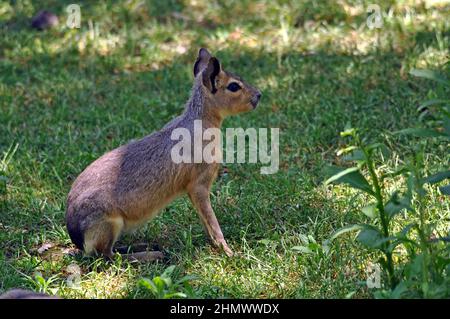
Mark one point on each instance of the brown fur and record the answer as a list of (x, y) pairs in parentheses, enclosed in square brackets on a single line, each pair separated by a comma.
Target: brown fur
[(44, 20), (129, 185), (25, 294)]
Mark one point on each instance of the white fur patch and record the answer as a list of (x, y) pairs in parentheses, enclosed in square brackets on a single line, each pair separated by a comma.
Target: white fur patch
[(92, 236)]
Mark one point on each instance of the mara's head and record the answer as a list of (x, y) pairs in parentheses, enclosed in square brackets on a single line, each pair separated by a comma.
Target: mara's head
[(226, 93)]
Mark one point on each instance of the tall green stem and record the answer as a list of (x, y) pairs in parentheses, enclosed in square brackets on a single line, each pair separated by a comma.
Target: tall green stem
[(383, 218), (421, 229)]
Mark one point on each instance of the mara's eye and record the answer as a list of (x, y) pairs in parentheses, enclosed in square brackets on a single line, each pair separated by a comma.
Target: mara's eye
[(233, 87)]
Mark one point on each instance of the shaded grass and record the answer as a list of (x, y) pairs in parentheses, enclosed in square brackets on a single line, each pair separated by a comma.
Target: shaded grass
[(68, 96)]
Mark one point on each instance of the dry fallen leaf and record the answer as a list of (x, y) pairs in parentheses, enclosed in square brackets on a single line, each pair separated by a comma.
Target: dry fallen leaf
[(44, 248)]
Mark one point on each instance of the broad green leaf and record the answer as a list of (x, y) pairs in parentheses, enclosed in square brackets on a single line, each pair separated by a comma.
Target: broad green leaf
[(346, 229), (395, 205), (414, 267), (339, 172), (167, 281), (445, 190), (438, 177), (168, 272), (350, 176), (175, 295), (399, 290), (144, 282), (370, 211), (159, 283), (356, 155), (39, 279), (371, 237), (420, 132), (429, 74)]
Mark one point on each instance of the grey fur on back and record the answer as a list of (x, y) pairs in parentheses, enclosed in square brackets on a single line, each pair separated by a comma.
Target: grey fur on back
[(25, 294)]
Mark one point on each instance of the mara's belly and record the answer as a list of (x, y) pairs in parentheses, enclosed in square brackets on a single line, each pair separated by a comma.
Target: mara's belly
[(138, 215)]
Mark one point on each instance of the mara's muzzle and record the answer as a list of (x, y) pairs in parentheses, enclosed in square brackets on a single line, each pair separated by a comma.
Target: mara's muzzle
[(255, 99)]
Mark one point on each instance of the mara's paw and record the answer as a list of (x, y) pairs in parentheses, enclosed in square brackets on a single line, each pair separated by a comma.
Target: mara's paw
[(227, 250)]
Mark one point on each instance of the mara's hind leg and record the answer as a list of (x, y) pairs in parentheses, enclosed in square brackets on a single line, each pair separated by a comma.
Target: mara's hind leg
[(101, 236)]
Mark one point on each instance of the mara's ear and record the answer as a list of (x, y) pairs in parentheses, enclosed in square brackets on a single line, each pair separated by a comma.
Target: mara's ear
[(202, 61), (210, 73)]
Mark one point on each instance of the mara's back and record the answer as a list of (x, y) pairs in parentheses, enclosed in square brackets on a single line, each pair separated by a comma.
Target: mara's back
[(134, 180)]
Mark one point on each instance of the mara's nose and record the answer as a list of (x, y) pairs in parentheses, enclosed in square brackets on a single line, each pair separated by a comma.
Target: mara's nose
[(255, 99)]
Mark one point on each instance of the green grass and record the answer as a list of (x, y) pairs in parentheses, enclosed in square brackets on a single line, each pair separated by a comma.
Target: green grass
[(68, 96)]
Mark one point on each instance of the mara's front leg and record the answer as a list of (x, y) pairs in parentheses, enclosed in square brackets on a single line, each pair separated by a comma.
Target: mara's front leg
[(199, 196)]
